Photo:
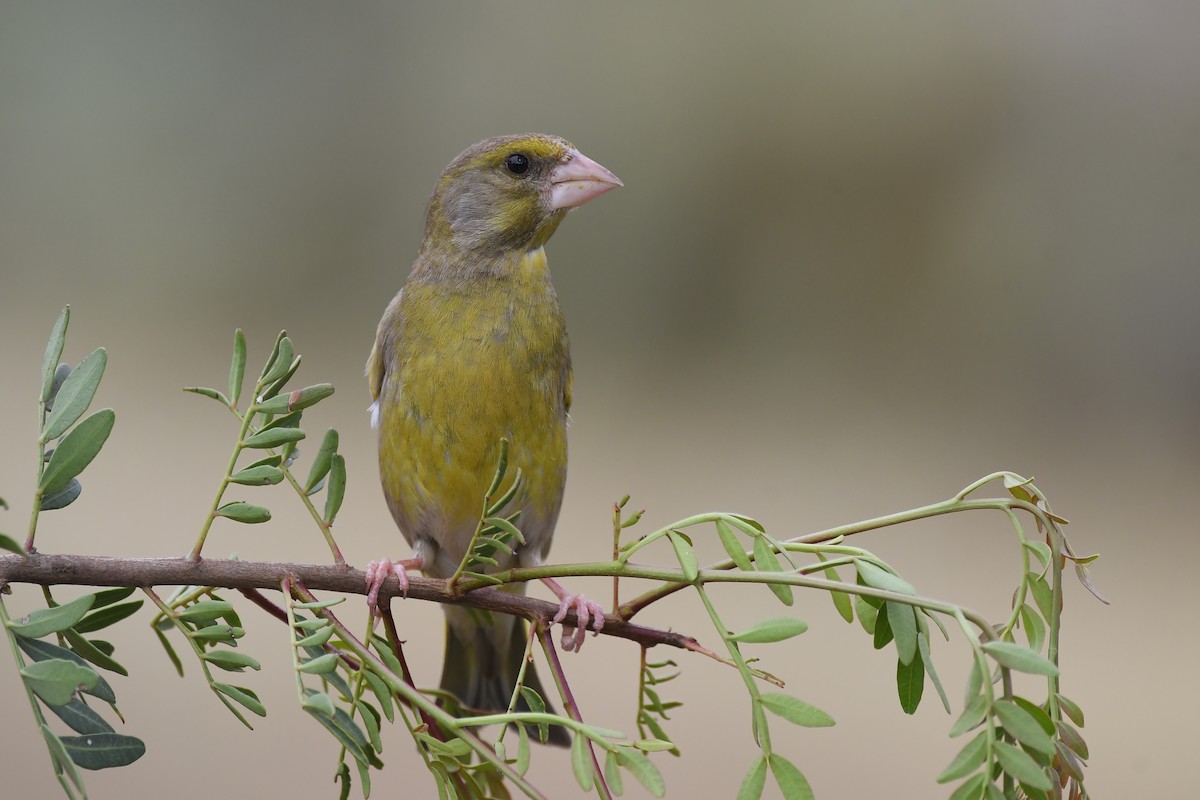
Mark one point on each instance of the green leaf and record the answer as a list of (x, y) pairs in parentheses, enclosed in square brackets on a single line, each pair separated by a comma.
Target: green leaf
[(910, 683), (523, 754), (969, 759), (903, 623), (52, 620), (879, 578), (62, 761), (273, 437), (754, 782), (1023, 726), (643, 769), (262, 475), (684, 554), (295, 400), (971, 789), (320, 465), (883, 630), (319, 703), (75, 395), (80, 717), (10, 544), (230, 660), (1022, 659), (107, 616), (927, 660), (206, 392), (38, 650), (237, 367), (247, 698), (244, 512), (1043, 596), (89, 651), (109, 596), (279, 361), (581, 763), (76, 450), (733, 547), (971, 716), (1041, 552), (337, 487), (103, 750), (867, 614), (612, 774), (795, 710), (56, 680), (1038, 713), (1035, 629), (205, 611), (61, 373), (791, 781), (217, 634), (61, 498), (1073, 711), (1019, 764), (775, 629), (1072, 739), (54, 348), (974, 683), (841, 600), (317, 639), (321, 665), (765, 560)]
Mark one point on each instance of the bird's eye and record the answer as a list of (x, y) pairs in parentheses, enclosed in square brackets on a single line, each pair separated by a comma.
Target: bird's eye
[(517, 163)]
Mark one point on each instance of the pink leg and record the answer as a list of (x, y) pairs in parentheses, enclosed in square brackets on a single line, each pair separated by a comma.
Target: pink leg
[(588, 613), (378, 572)]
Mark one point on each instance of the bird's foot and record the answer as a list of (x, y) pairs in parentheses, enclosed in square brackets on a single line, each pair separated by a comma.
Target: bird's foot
[(378, 572), (588, 613)]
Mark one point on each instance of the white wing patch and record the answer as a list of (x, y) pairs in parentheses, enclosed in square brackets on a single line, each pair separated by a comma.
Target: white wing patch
[(375, 415)]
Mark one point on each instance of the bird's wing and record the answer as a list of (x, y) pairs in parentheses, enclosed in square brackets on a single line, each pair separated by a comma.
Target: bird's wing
[(385, 334)]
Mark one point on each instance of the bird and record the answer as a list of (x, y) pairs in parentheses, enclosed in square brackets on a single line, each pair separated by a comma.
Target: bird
[(473, 350)]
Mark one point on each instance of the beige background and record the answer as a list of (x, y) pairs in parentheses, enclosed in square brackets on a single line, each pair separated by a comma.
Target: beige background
[(865, 254)]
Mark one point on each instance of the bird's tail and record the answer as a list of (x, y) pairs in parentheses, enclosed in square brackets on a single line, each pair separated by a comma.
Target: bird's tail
[(482, 662)]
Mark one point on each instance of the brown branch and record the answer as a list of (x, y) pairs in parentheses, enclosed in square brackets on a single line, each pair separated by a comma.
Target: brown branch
[(53, 570)]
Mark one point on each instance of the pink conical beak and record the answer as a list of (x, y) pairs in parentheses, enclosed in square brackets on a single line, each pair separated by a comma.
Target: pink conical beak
[(578, 179)]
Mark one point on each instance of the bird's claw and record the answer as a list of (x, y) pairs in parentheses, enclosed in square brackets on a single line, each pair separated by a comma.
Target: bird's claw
[(377, 573), (588, 613)]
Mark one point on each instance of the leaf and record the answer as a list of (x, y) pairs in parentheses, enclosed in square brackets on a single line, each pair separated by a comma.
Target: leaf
[(319, 703), (56, 680), (841, 600), (38, 650), (612, 774), (754, 782), (795, 711), (295, 400), (791, 781), (733, 547), (103, 750), (62, 761), (684, 554), (643, 769), (61, 498), (883, 631), (75, 395), (89, 651), (273, 437), (61, 373), (523, 753), (320, 465), (903, 623), (765, 560), (244, 512), (80, 717), (317, 639), (971, 716), (927, 660), (910, 683), (337, 487), (237, 367), (1072, 739), (109, 596), (1042, 595), (54, 352), (775, 629), (247, 698), (1023, 726), (1017, 763), (217, 634), (107, 616), (262, 475), (205, 611), (321, 665), (1039, 714), (581, 763), (229, 660), (54, 348), (1073, 712), (1022, 659), (1041, 551), (206, 392), (879, 578), (52, 620), (76, 450), (279, 360), (10, 544), (1035, 629), (971, 789), (970, 758), (867, 614)]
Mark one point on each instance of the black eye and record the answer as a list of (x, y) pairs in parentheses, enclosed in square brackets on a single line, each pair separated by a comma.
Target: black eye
[(517, 163)]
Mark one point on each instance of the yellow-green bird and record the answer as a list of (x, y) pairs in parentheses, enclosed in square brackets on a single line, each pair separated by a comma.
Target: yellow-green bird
[(473, 350)]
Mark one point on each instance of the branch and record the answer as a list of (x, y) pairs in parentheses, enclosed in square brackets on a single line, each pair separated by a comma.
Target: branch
[(52, 570)]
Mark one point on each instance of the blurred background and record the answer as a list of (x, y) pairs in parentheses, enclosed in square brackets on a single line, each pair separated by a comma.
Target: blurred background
[(865, 254)]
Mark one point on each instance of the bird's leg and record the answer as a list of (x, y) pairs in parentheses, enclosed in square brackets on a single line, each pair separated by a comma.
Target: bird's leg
[(588, 613), (378, 572)]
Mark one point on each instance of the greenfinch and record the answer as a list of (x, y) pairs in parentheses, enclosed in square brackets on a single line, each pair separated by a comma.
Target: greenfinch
[(471, 351)]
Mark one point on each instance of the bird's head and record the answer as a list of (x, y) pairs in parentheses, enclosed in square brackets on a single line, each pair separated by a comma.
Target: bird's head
[(509, 193)]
